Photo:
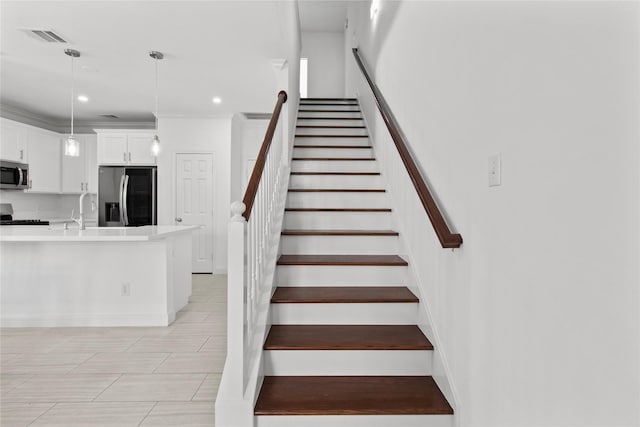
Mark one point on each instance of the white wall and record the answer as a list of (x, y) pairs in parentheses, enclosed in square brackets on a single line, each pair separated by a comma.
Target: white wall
[(236, 190), (538, 311), (197, 135), (294, 43), (326, 64), (247, 140)]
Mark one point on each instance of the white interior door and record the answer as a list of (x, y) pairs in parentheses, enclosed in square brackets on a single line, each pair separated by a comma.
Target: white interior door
[(194, 188)]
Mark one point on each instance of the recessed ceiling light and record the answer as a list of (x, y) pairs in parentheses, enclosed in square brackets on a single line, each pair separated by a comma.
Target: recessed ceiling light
[(88, 69), (217, 100), (83, 98)]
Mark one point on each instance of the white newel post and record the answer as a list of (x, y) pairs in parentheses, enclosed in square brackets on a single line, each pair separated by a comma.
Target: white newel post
[(252, 255), (235, 295)]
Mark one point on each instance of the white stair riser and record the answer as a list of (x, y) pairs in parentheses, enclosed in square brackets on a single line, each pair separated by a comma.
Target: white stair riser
[(339, 275), (338, 220), (347, 362), (334, 166), (333, 152), (328, 114), (330, 122), (337, 200), (336, 181), (342, 107), (355, 421), (332, 131), (326, 245), (331, 101), (400, 313), (361, 142)]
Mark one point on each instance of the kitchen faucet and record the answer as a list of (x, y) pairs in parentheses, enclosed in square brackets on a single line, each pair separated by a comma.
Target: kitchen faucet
[(80, 219)]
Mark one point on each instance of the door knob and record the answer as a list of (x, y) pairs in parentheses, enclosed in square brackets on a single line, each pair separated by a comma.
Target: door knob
[(178, 219)]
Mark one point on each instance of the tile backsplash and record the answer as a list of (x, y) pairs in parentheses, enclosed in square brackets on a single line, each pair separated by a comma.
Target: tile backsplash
[(48, 206)]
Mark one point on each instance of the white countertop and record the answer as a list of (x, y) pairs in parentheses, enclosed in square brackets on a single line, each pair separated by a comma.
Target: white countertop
[(41, 233)]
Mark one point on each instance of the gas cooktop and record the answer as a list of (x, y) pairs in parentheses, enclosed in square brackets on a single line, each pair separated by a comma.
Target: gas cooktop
[(6, 217), (23, 222)]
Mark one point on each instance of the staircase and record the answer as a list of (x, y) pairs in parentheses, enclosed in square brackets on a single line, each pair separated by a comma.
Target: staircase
[(344, 348)]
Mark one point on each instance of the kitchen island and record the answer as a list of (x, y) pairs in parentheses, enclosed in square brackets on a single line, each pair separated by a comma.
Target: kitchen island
[(134, 276)]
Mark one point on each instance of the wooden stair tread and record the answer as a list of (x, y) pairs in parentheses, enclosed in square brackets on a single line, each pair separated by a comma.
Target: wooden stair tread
[(351, 395), (331, 136), (329, 104), (337, 209), (345, 260), (362, 159), (319, 110), (328, 99), (346, 337), (291, 232), (329, 127), (335, 173), (336, 190), (329, 118), (342, 294), (361, 147)]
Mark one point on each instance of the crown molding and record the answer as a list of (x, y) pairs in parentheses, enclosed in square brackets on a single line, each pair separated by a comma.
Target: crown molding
[(18, 114), (256, 116), (104, 125), (195, 116)]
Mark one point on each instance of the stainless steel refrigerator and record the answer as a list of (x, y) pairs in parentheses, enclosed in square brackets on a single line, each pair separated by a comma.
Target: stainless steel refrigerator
[(127, 196)]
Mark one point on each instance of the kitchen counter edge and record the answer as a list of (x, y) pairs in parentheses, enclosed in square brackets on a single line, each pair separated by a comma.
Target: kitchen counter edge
[(101, 234)]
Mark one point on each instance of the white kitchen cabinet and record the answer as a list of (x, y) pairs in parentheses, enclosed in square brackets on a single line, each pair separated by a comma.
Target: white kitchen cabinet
[(13, 141), (140, 149), (79, 174), (112, 148), (44, 161), (124, 147), (91, 163)]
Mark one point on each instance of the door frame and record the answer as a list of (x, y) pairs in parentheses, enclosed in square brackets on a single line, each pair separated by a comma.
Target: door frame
[(214, 193)]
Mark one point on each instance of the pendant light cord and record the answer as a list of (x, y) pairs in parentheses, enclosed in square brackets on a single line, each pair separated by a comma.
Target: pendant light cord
[(73, 79), (156, 96)]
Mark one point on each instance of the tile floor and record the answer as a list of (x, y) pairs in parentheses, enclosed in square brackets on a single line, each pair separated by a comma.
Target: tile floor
[(155, 376)]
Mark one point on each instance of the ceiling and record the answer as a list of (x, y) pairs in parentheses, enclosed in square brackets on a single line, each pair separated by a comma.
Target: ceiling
[(322, 15), (211, 48)]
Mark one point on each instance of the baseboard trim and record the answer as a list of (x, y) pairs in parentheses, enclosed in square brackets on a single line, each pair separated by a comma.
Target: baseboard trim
[(88, 319)]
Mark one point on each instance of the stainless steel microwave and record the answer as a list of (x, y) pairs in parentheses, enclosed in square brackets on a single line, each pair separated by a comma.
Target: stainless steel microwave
[(15, 176)]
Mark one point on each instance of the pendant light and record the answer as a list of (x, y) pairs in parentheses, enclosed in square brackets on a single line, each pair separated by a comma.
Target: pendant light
[(71, 144), (155, 144)]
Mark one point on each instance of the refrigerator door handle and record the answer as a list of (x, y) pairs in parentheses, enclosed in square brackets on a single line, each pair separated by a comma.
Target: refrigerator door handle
[(124, 199), (154, 202), (121, 199)]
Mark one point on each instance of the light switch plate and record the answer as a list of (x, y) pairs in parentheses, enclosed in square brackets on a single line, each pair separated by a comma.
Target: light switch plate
[(495, 170)]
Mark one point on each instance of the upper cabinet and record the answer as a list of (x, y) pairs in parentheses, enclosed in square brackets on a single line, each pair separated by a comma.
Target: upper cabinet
[(49, 170), (125, 147), (79, 174), (140, 148), (13, 141), (44, 161)]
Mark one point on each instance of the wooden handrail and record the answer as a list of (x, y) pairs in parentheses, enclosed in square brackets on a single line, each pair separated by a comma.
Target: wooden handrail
[(254, 181), (446, 237)]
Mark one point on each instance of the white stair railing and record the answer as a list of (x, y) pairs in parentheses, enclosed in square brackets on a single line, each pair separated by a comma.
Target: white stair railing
[(254, 232)]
